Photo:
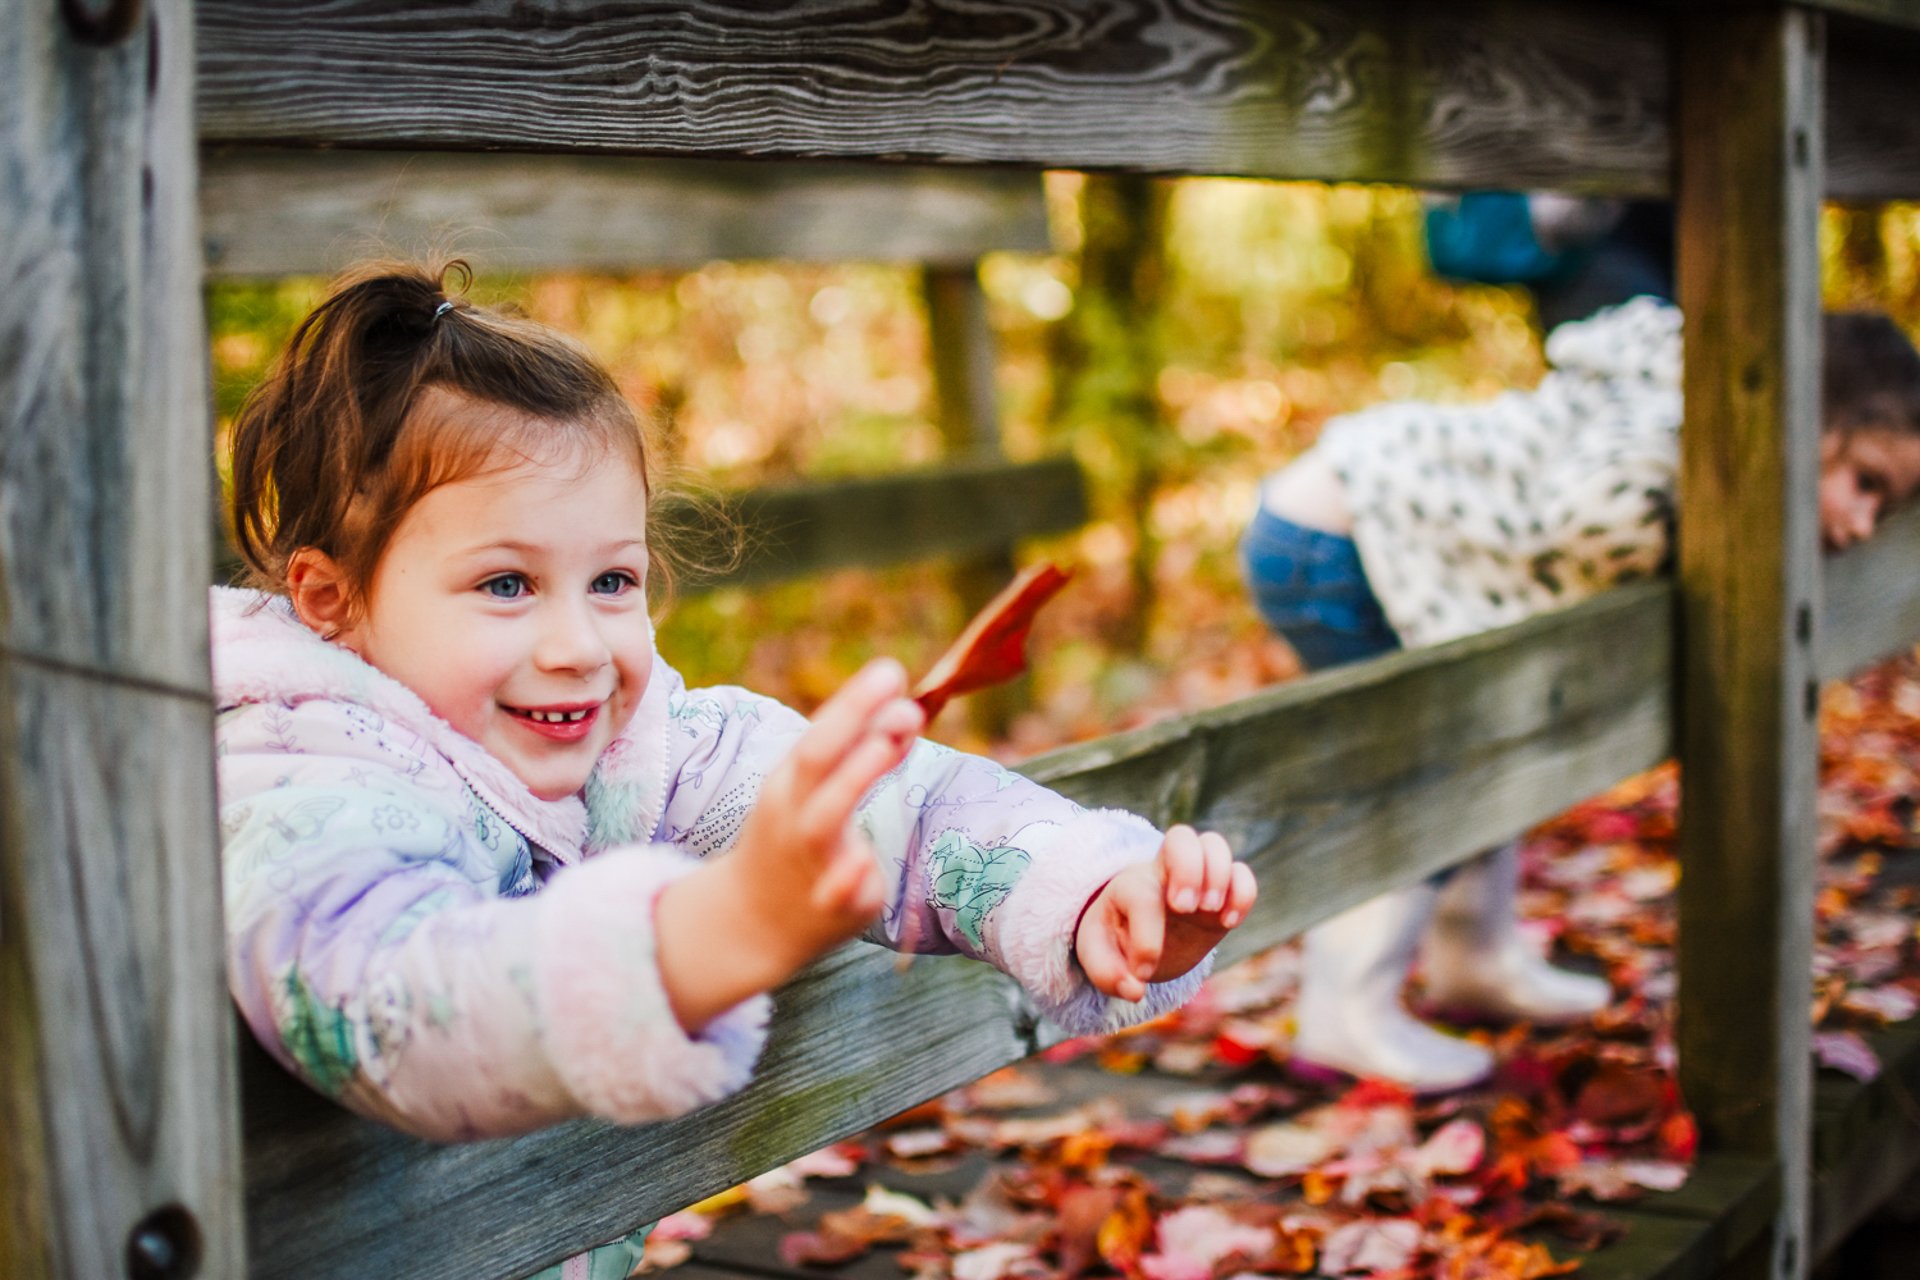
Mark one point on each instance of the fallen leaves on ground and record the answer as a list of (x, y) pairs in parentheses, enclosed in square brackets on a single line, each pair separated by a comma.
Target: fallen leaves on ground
[(1227, 1168)]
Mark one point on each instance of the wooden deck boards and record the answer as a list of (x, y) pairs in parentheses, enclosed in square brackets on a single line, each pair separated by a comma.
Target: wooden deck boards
[(1866, 1142), (1677, 1236)]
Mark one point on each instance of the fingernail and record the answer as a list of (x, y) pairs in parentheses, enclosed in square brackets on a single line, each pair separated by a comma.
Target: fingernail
[(1185, 900), (1216, 900), (1230, 919)]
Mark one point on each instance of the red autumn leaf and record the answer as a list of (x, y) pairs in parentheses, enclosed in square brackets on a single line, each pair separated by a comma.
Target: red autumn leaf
[(818, 1249), (993, 647), (1123, 1237), (1617, 1094), (1235, 1054), (1679, 1137), (1077, 1221)]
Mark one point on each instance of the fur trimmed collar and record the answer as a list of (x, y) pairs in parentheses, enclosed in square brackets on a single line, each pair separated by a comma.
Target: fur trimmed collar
[(263, 653)]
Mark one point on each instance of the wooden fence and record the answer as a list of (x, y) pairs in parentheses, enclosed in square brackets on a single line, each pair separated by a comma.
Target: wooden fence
[(134, 1139)]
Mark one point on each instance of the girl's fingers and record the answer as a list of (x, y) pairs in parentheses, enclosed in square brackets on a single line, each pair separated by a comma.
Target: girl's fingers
[(1100, 950), (826, 807), (1144, 929), (1184, 868), (852, 883), (1240, 895), (844, 719), (1218, 860)]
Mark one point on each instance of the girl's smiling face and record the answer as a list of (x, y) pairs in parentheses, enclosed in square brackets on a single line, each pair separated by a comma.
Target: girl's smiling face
[(513, 602)]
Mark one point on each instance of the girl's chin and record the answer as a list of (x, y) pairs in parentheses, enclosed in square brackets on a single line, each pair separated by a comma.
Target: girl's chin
[(549, 788)]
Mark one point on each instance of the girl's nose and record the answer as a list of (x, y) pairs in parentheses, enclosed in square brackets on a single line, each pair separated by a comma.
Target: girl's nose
[(1862, 516), (571, 641)]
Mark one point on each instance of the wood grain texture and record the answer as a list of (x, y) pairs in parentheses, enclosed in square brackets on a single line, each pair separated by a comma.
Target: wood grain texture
[(1476, 93), (287, 212), (1871, 597), (1748, 211), (117, 1021), (1337, 787), (101, 381), (1873, 121), (330, 1195), (960, 509)]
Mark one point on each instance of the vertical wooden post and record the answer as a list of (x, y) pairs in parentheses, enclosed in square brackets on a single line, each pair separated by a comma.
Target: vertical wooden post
[(961, 341), (1749, 143), (117, 1096)]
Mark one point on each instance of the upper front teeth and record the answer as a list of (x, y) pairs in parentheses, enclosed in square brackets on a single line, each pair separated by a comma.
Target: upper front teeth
[(558, 717)]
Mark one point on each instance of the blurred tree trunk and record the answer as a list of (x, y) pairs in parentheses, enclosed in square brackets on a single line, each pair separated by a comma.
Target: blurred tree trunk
[(1106, 361), (1861, 257)]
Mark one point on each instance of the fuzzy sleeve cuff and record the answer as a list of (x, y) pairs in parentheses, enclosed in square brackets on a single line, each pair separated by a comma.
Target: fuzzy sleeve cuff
[(1037, 923), (606, 1022)]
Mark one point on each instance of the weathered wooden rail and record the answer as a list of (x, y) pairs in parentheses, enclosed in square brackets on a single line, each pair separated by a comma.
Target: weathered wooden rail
[(117, 1078)]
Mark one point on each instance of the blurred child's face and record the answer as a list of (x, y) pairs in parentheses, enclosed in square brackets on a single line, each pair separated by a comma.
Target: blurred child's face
[(513, 603), (1863, 472)]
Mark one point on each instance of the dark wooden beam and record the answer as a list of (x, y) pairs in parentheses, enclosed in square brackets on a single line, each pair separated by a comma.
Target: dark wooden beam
[(1482, 93), (1545, 93), (1752, 154)]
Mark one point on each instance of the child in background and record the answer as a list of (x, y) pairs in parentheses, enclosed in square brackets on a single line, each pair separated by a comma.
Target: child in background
[(472, 820), (1412, 524)]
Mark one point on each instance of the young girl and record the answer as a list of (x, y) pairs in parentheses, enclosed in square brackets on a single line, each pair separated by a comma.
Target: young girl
[(1412, 524), (471, 818)]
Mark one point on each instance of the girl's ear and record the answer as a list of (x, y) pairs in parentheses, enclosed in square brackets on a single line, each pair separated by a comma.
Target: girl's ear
[(318, 589)]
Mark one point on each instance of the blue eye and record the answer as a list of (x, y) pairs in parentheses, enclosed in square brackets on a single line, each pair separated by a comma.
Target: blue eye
[(614, 583), (507, 586)]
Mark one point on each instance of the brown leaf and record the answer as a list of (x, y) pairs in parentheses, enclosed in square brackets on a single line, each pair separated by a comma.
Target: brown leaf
[(993, 646)]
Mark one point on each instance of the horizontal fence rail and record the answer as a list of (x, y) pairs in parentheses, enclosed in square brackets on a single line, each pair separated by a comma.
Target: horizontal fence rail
[(1480, 93), (1872, 598), (1336, 787), (267, 212), (1367, 90), (956, 509)]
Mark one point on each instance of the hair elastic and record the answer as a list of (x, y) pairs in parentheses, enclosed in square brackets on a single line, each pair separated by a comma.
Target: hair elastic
[(443, 308)]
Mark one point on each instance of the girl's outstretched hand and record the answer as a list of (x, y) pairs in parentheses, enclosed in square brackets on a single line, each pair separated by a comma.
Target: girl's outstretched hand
[(800, 879), (1156, 920), (811, 878)]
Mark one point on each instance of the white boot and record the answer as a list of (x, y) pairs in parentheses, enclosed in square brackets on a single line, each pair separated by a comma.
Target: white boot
[(1477, 961), (1349, 1013)]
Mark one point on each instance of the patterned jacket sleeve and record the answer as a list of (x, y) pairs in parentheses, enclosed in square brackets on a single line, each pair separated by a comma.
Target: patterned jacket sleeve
[(407, 969), (985, 862)]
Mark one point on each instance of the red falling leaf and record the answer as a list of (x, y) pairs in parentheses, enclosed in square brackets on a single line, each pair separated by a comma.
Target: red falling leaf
[(1235, 1054), (993, 646)]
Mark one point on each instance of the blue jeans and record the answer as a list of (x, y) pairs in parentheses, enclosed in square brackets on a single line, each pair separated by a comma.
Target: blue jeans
[(1309, 587)]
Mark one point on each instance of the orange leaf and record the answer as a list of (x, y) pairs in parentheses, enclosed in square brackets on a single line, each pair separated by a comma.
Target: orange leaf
[(993, 647)]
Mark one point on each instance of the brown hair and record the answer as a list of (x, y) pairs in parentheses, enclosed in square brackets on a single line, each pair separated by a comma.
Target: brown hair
[(1869, 375), (350, 430)]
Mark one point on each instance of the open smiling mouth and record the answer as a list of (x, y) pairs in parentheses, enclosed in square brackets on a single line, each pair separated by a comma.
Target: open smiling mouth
[(561, 724)]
